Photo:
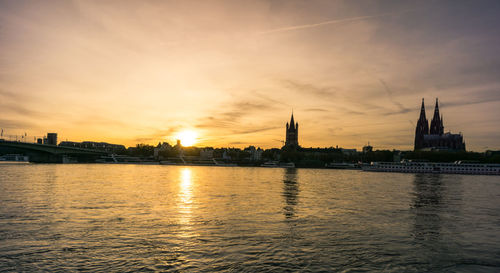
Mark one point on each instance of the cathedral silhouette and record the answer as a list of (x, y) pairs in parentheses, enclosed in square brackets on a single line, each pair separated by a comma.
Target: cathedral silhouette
[(435, 138)]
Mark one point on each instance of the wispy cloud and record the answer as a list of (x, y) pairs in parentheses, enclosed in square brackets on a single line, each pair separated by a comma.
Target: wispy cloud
[(310, 89), (330, 22), (158, 135), (254, 130), (469, 102), (231, 117), (269, 99), (402, 108), (5, 94), (316, 110), (328, 94), (16, 124), (19, 109)]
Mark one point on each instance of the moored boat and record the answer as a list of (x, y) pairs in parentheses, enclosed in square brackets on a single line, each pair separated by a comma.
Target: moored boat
[(276, 164), (433, 167), (343, 165), (270, 164), (14, 158), (287, 165)]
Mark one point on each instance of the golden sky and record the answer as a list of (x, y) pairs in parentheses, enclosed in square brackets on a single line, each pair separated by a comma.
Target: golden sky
[(352, 71)]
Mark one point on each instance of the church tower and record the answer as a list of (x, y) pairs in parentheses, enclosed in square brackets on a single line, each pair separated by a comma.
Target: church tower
[(292, 133), (435, 138), (437, 127), (422, 128)]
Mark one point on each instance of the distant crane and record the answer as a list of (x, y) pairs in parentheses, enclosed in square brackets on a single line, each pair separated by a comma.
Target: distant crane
[(280, 140)]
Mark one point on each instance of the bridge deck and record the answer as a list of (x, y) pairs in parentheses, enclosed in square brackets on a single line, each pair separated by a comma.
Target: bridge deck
[(51, 149)]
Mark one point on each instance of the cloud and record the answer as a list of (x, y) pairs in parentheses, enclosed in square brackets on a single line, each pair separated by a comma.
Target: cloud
[(234, 112), (237, 142), (468, 102), (95, 119), (18, 103), (159, 134), (335, 131), (316, 110), (18, 108), (402, 109), (254, 130), (339, 99), (16, 124), (310, 89), (330, 22), (269, 99), (398, 112), (348, 111), (5, 94)]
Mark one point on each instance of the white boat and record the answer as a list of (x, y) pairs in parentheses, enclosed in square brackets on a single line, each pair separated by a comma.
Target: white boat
[(224, 164), (270, 164), (123, 159), (197, 162), (14, 158), (342, 166), (287, 165), (276, 164), (431, 167)]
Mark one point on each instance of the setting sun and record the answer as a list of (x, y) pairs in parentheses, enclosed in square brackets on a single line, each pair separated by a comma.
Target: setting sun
[(187, 138)]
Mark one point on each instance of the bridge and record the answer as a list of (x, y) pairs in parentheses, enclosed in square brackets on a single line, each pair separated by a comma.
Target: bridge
[(44, 153)]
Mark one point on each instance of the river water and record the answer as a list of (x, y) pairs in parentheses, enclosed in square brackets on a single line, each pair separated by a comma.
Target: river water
[(172, 218)]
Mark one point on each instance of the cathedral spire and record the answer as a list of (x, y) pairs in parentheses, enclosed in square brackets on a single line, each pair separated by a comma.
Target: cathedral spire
[(436, 109), (437, 127), (442, 126), (422, 111), (435, 139), (422, 128), (292, 122)]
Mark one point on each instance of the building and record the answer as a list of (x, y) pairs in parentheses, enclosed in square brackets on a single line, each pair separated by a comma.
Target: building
[(161, 148), (104, 146), (348, 151), (367, 148), (435, 138), (51, 139), (255, 154), (207, 153), (292, 134)]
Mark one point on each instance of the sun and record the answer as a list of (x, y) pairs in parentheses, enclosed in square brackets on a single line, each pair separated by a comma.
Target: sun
[(187, 137)]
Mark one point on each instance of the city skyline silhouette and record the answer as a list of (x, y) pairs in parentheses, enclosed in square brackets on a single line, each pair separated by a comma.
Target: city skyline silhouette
[(230, 73)]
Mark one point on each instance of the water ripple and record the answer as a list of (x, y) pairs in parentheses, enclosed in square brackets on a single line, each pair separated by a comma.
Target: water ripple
[(128, 218)]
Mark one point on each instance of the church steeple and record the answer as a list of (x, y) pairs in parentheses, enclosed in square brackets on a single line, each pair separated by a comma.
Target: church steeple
[(442, 125), (437, 127), (292, 133), (435, 139), (436, 109), (422, 120), (422, 128), (422, 110)]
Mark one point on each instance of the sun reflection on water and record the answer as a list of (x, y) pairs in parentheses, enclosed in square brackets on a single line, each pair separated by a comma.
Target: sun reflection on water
[(186, 187), (185, 201)]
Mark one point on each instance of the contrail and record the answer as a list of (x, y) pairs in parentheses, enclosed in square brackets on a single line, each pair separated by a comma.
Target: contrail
[(391, 98), (330, 22)]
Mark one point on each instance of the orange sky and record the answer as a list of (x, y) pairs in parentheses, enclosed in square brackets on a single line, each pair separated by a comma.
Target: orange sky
[(141, 71)]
